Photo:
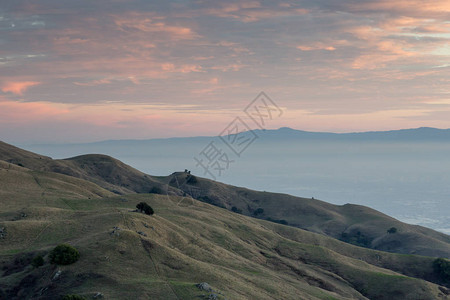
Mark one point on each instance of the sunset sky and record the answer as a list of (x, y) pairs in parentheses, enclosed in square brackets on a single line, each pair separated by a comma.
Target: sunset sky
[(75, 71)]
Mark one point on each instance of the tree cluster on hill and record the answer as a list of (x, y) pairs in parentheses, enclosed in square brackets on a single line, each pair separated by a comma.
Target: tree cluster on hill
[(64, 255), (442, 267), (37, 261), (258, 211), (358, 239), (392, 230), (236, 210), (191, 179), (145, 208), (73, 297)]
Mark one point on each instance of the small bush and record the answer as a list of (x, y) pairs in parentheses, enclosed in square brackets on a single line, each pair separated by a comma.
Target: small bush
[(64, 255), (442, 267), (283, 222), (73, 297), (145, 208), (258, 211), (392, 230), (205, 199), (236, 210), (155, 190), (37, 261), (191, 179), (358, 239)]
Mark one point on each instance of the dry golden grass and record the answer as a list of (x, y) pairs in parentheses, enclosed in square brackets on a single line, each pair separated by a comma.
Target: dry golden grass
[(184, 243), (242, 257)]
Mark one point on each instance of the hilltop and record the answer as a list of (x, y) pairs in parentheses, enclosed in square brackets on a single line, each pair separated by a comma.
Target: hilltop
[(356, 224), (89, 202)]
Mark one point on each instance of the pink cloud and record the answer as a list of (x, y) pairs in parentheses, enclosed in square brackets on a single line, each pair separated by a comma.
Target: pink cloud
[(94, 82), (316, 46), (436, 8), (170, 67), (378, 48), (152, 24), (252, 11), (28, 112), (227, 68), (18, 87)]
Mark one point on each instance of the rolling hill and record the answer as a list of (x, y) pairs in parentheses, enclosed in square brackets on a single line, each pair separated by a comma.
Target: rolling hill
[(403, 173), (89, 202), (356, 224), (360, 225)]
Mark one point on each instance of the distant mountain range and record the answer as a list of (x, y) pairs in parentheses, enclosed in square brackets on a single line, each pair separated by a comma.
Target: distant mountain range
[(422, 133), (413, 134)]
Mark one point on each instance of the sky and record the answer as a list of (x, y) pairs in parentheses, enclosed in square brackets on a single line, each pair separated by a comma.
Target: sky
[(80, 71)]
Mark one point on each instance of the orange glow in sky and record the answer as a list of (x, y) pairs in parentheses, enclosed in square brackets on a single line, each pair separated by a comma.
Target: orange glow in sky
[(86, 71)]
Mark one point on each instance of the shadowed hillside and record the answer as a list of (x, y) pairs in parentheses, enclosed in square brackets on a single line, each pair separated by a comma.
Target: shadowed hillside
[(355, 224), (103, 170), (129, 255)]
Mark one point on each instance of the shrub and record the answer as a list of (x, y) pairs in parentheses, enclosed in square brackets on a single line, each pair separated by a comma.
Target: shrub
[(191, 179), (236, 210), (73, 297), (155, 190), (37, 261), (145, 208), (258, 211), (64, 255), (392, 230), (358, 239), (283, 222), (205, 199), (442, 267)]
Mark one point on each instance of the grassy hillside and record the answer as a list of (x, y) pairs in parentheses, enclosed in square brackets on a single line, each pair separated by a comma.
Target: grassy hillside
[(241, 257), (356, 224), (129, 255), (103, 170)]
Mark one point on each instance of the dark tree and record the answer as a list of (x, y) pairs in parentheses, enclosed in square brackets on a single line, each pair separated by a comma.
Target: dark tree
[(442, 267), (236, 210), (283, 222), (392, 230), (145, 208), (37, 261), (191, 179), (258, 211), (64, 255), (73, 297), (155, 190)]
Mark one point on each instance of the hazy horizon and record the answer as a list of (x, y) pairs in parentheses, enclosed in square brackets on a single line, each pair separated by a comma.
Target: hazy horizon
[(20, 144)]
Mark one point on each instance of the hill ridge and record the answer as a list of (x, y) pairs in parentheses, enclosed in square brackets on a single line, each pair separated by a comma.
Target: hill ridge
[(129, 255), (351, 223)]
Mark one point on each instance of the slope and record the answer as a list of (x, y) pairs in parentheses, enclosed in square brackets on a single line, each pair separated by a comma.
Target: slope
[(103, 170), (129, 255), (356, 224)]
